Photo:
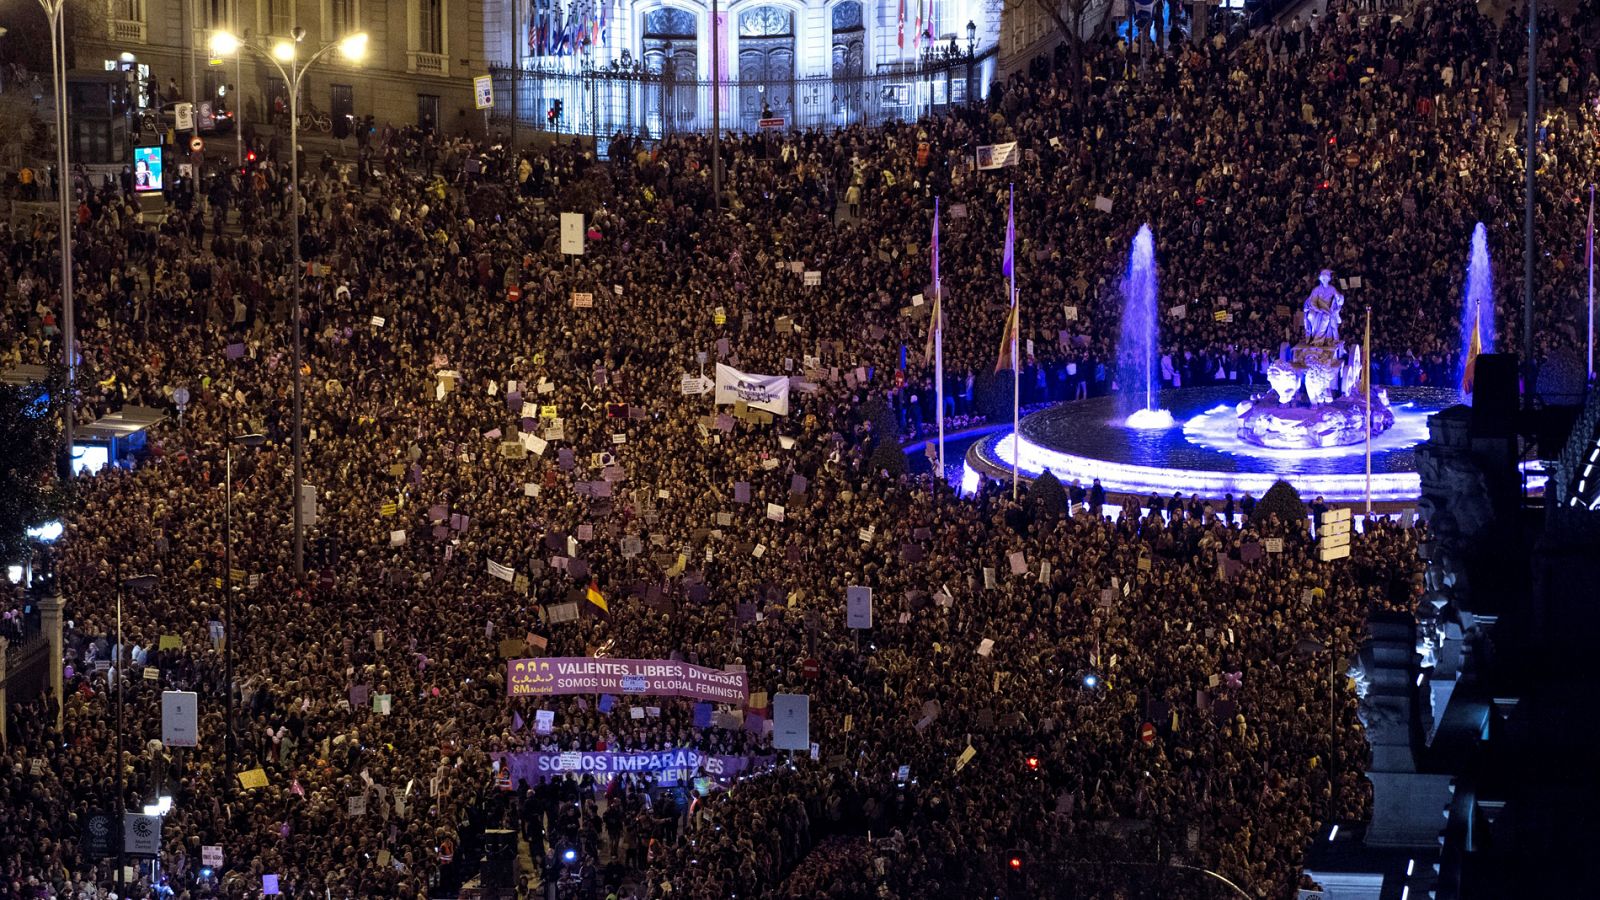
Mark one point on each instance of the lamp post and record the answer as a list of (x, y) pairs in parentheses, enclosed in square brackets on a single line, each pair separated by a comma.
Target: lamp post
[(58, 63), (243, 440), (287, 53), (972, 53), (137, 583)]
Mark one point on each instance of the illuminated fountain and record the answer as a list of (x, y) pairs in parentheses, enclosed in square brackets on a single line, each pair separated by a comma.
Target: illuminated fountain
[(1318, 397), (1477, 302), (1136, 351)]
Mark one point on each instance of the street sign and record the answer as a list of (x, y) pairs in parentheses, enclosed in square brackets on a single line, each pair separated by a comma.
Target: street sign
[(483, 91), (774, 122), (810, 668), (179, 717), (1147, 733), (196, 145), (141, 835), (183, 116), (513, 293)]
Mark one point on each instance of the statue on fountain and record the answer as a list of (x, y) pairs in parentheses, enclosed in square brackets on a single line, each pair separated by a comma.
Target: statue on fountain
[(1322, 311), (1318, 396)]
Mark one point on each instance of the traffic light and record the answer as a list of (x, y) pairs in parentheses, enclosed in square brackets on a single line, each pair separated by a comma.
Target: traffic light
[(1033, 763), (555, 111)]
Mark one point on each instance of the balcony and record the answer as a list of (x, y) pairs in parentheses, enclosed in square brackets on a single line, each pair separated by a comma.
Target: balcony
[(124, 31), (420, 63)]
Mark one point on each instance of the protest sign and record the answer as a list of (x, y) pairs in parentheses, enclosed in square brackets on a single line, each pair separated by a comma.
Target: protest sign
[(656, 677), (769, 393)]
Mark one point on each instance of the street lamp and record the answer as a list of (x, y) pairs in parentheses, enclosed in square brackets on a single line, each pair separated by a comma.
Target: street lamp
[(286, 53), (136, 584), (58, 64), (243, 440)]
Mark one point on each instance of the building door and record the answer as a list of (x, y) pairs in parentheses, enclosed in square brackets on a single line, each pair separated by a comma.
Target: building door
[(428, 111), (766, 64), (849, 61), (343, 104), (670, 52)]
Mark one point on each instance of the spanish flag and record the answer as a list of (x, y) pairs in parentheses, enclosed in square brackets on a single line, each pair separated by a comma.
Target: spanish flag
[(1474, 347), (597, 599), (1008, 342)]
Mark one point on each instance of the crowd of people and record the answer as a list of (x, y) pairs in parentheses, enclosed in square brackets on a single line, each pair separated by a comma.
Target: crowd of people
[(987, 733)]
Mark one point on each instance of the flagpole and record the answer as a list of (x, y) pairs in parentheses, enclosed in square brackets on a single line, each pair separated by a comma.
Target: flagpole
[(1591, 283), (1366, 360), (938, 341), (1016, 376)]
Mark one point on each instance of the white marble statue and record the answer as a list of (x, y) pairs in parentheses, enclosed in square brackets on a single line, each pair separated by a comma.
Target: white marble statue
[(1322, 310)]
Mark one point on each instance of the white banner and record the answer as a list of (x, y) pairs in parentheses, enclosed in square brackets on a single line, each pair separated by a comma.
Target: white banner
[(694, 385), (504, 573), (998, 156), (764, 392)]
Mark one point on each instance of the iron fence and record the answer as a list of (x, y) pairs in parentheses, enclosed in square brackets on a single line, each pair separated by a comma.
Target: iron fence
[(652, 104)]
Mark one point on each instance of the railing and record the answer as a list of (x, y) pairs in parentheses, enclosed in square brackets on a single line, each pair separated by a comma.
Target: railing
[(428, 63), (603, 101), (126, 31), (1561, 488)]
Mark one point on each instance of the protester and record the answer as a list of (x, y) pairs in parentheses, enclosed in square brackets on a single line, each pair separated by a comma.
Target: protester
[(380, 677)]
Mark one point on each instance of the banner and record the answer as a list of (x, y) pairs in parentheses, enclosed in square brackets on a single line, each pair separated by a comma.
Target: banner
[(764, 392), (998, 156), (141, 835), (668, 766), (640, 677)]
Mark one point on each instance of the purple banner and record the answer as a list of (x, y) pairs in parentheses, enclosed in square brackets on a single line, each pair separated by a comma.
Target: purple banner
[(638, 677), (668, 766)]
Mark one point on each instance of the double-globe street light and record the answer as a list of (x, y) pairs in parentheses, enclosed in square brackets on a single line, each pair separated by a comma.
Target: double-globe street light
[(63, 185), (285, 57)]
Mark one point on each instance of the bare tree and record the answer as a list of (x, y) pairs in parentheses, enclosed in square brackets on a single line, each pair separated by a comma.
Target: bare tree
[(1068, 16)]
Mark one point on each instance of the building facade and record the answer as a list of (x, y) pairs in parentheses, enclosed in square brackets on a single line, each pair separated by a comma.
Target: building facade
[(420, 58), (809, 62)]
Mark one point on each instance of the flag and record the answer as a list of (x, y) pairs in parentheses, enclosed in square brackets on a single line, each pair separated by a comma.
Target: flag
[(605, 23), (901, 38), (533, 27), (1008, 340), (516, 721), (934, 323), (594, 596), (1474, 347), (1008, 264), (916, 38)]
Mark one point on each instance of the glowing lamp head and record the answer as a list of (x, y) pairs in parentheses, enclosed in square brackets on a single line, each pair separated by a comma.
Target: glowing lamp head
[(569, 856), (354, 47), (283, 51), (224, 43), (1091, 680)]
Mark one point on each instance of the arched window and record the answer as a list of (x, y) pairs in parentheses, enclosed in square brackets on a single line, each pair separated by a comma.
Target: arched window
[(671, 32), (766, 63), (849, 37)]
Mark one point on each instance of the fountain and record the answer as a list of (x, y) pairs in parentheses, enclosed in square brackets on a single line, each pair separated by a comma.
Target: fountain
[(1136, 350), (1477, 302), (1318, 396)]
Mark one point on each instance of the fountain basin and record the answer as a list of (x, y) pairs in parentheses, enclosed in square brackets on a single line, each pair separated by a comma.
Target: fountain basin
[(1271, 423)]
